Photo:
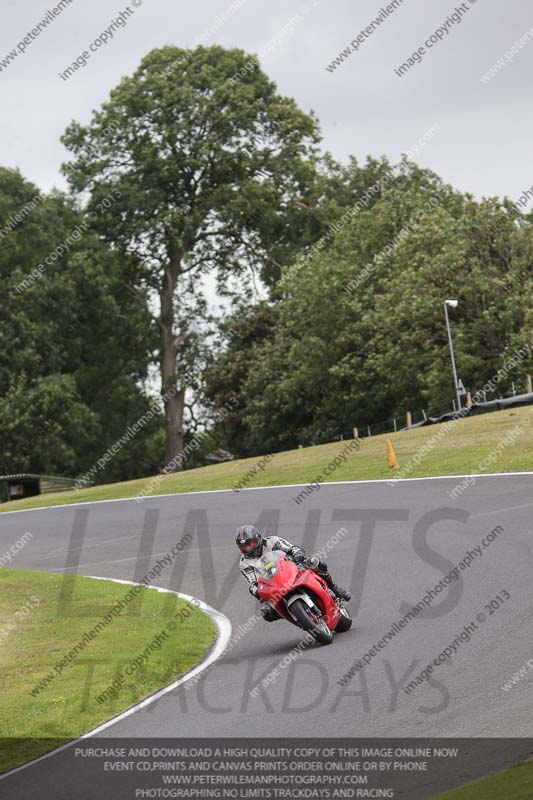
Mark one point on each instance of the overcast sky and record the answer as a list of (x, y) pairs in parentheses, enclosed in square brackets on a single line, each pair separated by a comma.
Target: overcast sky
[(484, 142)]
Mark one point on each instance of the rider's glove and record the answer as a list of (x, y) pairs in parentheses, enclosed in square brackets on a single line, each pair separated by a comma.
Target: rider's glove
[(297, 555), (254, 591), (312, 562)]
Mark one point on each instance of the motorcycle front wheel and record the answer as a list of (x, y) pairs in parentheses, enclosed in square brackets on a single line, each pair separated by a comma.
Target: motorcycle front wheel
[(310, 622), (345, 622)]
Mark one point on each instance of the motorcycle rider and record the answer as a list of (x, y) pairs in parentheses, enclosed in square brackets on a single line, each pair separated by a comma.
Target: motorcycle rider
[(253, 545)]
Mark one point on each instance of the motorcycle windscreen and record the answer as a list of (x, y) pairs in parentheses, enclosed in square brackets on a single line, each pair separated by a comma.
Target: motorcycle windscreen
[(269, 565)]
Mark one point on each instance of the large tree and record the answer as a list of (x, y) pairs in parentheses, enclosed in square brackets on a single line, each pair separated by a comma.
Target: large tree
[(212, 166), (360, 333)]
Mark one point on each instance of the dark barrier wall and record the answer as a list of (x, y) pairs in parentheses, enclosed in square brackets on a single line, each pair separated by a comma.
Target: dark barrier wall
[(478, 408)]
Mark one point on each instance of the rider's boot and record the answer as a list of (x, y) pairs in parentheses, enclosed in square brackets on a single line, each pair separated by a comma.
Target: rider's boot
[(342, 593)]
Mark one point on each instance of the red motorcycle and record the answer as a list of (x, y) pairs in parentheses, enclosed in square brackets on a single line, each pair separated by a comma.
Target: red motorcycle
[(302, 597)]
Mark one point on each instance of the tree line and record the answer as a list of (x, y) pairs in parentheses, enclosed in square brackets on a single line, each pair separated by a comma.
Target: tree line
[(187, 174)]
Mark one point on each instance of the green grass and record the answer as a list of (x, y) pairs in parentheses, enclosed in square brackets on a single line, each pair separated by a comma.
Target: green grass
[(459, 451), (67, 707), (33, 641), (515, 783)]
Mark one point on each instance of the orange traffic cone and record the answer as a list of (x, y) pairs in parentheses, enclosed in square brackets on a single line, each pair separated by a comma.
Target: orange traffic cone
[(392, 461)]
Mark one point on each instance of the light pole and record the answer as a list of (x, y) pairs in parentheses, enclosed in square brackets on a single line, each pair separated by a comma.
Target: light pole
[(458, 386)]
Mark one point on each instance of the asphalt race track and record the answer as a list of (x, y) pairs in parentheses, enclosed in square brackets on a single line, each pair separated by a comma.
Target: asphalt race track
[(398, 542)]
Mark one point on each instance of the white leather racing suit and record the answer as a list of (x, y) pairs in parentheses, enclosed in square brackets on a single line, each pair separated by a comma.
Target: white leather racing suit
[(250, 566)]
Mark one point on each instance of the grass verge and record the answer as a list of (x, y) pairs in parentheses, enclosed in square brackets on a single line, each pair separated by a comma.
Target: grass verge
[(515, 783), (436, 450), (42, 619)]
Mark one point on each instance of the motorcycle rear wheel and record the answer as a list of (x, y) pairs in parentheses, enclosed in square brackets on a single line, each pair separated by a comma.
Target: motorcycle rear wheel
[(318, 630)]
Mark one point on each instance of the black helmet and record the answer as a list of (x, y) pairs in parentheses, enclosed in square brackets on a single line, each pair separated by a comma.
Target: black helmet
[(249, 541)]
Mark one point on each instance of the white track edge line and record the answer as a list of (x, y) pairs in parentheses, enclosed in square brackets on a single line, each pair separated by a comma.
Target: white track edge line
[(224, 629), (390, 481)]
